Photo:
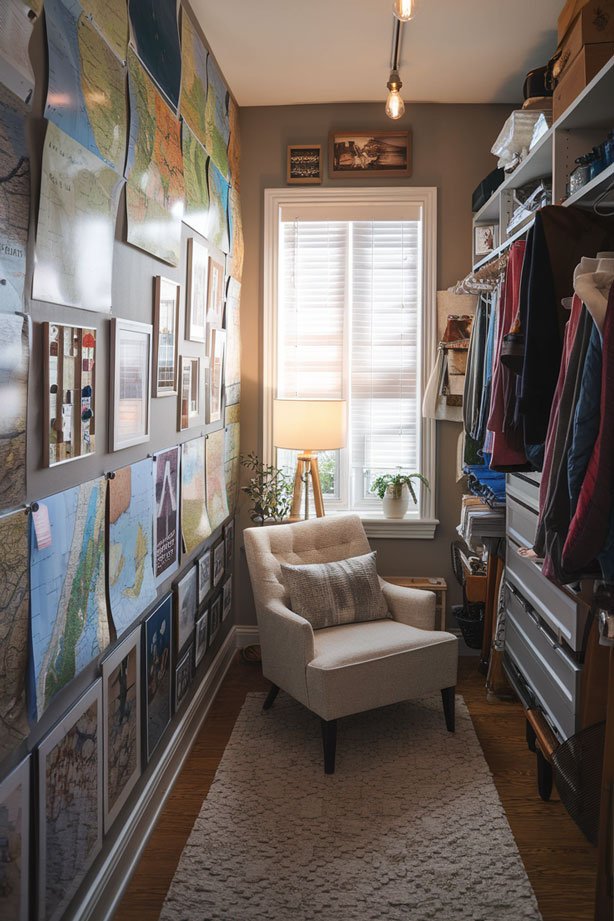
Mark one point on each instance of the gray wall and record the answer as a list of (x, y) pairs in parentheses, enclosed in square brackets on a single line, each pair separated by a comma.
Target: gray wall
[(451, 145)]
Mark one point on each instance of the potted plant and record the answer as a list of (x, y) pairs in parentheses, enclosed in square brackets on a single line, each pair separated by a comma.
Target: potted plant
[(395, 489), (270, 490)]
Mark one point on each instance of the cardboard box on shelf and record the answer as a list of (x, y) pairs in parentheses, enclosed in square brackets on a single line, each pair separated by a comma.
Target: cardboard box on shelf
[(593, 26), (578, 74), (593, 11)]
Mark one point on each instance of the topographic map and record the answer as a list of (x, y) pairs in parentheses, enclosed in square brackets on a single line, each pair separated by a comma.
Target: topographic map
[(234, 265), (217, 232), (234, 144), (13, 631), (76, 225), (217, 504), (131, 510), (14, 201), (111, 17), (14, 361), (193, 100), (86, 94), (232, 467), (217, 124), (67, 589), (155, 190), (195, 159)]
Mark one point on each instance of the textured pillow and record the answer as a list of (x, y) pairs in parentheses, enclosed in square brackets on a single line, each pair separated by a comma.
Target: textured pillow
[(329, 594)]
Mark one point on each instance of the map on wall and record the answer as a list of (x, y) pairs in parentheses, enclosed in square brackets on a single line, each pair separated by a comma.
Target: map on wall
[(17, 19), (234, 144), (155, 190), (86, 95), (232, 464), (13, 631), (217, 504), (14, 361), (14, 830), (111, 18), (193, 101), (155, 38), (232, 364), (14, 201), (234, 265), (217, 231), (217, 124), (131, 578), (195, 163), (122, 723), (195, 526), (76, 225), (69, 622)]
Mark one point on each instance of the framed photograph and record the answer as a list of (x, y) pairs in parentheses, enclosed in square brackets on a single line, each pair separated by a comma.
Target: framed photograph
[(158, 634), (121, 684), (167, 294), (227, 598), (216, 618), (166, 515), (218, 562), (215, 293), (69, 375), (70, 784), (190, 396), (216, 371), (197, 288), (131, 383), (15, 848), (186, 596), (229, 543), (203, 566), (369, 153), (183, 676), (304, 166), (201, 637), (485, 239)]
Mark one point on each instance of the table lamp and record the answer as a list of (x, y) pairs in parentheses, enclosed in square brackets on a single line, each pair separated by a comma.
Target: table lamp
[(309, 426)]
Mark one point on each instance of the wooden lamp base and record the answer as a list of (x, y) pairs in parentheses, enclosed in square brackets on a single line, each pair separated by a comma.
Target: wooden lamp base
[(306, 467)]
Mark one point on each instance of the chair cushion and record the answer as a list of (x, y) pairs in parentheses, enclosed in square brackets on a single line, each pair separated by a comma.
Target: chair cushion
[(331, 594)]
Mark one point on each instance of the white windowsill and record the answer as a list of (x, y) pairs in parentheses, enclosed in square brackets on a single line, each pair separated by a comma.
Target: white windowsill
[(394, 528)]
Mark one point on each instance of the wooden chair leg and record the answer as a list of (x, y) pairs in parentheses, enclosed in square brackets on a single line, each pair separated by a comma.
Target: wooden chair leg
[(449, 700), (329, 741), (270, 698)]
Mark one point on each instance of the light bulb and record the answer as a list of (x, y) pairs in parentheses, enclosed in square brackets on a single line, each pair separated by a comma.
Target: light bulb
[(395, 107), (404, 9)]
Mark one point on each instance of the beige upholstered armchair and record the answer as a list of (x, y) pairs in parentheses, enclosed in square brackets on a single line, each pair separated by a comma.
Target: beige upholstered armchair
[(340, 670)]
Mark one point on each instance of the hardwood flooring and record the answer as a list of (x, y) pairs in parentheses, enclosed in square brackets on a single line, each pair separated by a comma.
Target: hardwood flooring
[(559, 861)]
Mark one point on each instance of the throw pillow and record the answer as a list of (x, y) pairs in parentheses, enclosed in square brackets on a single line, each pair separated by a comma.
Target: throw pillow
[(330, 594)]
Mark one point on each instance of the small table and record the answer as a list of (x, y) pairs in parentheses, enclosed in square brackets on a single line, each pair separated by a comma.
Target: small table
[(438, 585)]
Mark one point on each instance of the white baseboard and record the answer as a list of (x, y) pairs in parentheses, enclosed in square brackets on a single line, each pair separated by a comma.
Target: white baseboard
[(247, 635)]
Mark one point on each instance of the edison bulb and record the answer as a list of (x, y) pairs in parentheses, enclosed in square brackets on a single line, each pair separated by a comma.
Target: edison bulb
[(404, 9), (395, 107)]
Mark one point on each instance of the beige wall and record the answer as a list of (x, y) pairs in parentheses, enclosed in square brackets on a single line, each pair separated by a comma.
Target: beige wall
[(451, 145)]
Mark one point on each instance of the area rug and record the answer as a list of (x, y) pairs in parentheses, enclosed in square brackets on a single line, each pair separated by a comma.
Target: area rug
[(409, 828)]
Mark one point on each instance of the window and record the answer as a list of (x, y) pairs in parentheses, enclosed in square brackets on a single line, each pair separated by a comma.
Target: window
[(349, 316)]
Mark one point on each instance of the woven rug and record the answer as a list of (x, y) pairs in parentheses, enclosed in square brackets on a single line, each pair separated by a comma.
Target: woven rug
[(409, 828)]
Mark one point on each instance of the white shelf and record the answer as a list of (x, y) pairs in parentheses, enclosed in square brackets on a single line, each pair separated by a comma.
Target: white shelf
[(594, 107), (589, 193)]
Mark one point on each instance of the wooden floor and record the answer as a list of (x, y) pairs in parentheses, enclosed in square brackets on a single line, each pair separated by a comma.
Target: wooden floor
[(559, 861)]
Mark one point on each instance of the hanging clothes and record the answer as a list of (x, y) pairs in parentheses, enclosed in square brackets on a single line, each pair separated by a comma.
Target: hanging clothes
[(480, 431), (475, 368)]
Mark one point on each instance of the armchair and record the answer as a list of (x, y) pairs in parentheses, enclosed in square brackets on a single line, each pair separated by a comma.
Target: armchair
[(341, 670)]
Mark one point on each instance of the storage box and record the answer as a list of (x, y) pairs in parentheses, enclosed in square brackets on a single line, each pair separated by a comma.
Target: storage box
[(583, 31), (595, 18), (457, 361), (580, 72)]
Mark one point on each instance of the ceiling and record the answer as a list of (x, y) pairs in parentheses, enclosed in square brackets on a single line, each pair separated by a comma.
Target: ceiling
[(287, 52)]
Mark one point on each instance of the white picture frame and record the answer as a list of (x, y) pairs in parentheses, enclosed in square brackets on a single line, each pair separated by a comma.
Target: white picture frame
[(217, 349), (167, 296), (190, 399), (485, 239), (197, 291), (183, 677), (218, 563), (186, 606), (131, 383), (15, 799), (203, 565)]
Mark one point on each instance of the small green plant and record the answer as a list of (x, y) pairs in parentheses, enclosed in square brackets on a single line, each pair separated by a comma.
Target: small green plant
[(396, 481), (270, 490)]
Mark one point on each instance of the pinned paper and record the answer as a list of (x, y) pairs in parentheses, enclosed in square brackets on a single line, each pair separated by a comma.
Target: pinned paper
[(42, 527)]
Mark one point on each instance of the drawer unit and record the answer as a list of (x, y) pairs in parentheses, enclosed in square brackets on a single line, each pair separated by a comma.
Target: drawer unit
[(524, 489), (521, 522), (552, 675), (558, 609)]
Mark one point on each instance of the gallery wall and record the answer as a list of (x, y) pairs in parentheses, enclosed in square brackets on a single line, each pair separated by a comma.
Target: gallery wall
[(451, 146)]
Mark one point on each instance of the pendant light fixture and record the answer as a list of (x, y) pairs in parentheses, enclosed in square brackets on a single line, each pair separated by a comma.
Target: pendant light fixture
[(404, 10), (395, 107)]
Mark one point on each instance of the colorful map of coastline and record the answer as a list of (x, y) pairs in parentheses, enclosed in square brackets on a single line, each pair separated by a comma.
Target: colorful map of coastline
[(14, 201), (86, 96), (67, 587)]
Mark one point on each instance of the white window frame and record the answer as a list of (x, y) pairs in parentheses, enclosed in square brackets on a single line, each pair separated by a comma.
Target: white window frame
[(424, 525)]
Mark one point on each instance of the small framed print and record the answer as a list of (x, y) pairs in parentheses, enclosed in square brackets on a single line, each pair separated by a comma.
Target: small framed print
[(183, 676), (158, 639), (165, 337), (216, 618), (186, 593), (227, 596), (304, 166), (131, 383), (485, 239), (203, 565), (218, 563), (197, 290), (69, 374), (201, 637), (190, 393), (361, 154), (15, 847), (215, 293), (216, 374), (229, 541)]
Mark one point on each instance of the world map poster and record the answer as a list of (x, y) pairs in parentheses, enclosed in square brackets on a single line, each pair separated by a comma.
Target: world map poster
[(193, 100), (195, 164), (131, 577), (76, 225), (195, 526), (69, 624), (217, 122), (14, 201), (14, 361), (13, 631), (217, 504), (155, 192), (155, 37)]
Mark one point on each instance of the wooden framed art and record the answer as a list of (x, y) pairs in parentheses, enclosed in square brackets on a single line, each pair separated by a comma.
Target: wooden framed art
[(167, 294), (190, 408), (304, 164), (158, 637), (201, 637), (218, 562), (361, 154), (131, 383), (121, 683), (183, 676), (15, 830), (203, 565), (197, 290), (216, 372), (484, 239), (69, 374), (186, 604), (215, 293)]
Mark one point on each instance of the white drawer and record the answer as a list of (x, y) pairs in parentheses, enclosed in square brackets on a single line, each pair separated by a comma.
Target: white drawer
[(521, 522), (552, 675), (561, 613), (524, 488)]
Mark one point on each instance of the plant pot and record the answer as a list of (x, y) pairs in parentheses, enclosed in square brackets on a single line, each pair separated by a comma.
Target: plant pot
[(395, 506)]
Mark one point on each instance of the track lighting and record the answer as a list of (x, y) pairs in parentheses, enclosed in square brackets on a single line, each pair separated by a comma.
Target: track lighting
[(404, 9), (395, 107)]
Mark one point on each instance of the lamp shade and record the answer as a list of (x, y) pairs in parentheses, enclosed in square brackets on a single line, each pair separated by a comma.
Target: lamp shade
[(309, 425)]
